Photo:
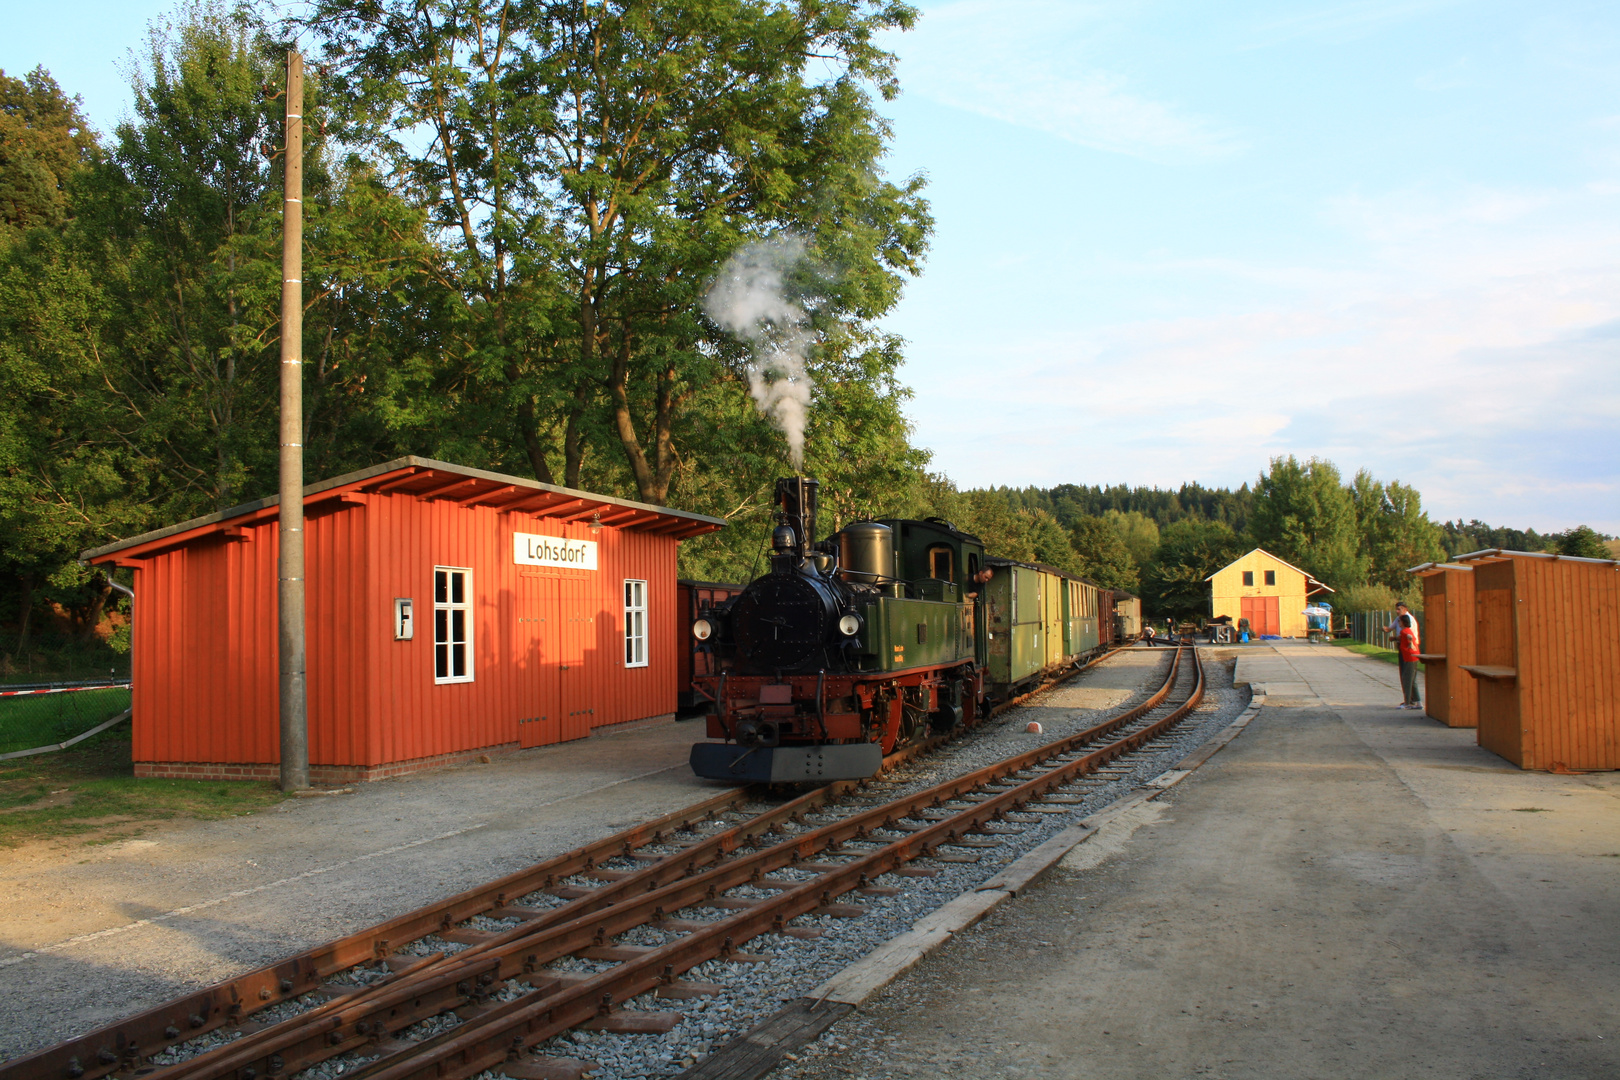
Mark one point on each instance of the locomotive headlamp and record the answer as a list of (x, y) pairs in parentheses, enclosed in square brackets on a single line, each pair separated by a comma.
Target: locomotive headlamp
[(702, 629), (849, 625)]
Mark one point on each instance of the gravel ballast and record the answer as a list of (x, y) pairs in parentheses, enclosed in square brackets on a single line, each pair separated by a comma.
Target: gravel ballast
[(755, 990)]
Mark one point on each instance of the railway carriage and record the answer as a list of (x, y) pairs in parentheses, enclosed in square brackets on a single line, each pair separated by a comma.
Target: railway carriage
[(873, 638)]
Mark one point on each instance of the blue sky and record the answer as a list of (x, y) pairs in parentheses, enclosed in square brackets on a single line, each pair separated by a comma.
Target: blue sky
[(1176, 240)]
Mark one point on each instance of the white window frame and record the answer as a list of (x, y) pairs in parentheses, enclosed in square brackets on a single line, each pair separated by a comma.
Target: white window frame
[(635, 623), (444, 624)]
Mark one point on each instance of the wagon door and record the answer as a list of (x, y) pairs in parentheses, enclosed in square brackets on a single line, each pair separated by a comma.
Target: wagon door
[(539, 723)]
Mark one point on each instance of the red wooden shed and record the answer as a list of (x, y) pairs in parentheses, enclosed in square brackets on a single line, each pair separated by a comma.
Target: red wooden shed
[(1547, 657), (451, 612)]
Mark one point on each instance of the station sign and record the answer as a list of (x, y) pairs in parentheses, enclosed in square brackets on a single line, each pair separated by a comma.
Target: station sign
[(531, 549)]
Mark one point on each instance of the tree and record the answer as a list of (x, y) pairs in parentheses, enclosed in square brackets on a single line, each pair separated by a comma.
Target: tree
[(1189, 551), (1303, 513), (44, 143), (1103, 555), (1583, 542), (1459, 538), (138, 335), (591, 166), (1393, 532), (1138, 532)]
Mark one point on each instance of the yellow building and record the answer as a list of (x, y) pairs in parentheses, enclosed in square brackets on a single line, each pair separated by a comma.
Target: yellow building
[(1267, 591)]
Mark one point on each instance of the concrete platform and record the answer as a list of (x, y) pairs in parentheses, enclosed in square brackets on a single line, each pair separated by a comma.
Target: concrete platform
[(1346, 890), (92, 933)]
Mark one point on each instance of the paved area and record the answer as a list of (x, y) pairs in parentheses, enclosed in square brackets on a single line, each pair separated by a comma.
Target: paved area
[(89, 934), (1347, 890)]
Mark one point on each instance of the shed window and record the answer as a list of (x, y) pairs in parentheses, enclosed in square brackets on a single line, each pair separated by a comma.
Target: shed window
[(452, 625), (1271, 577), (635, 623), (1248, 577)]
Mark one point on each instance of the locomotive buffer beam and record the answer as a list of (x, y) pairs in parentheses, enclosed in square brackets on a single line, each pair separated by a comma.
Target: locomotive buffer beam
[(786, 764)]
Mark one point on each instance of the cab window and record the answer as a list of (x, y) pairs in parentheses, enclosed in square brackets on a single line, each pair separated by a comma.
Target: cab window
[(940, 563)]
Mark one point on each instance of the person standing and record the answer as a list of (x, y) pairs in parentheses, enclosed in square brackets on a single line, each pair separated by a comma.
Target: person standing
[(1406, 646), (1394, 627)]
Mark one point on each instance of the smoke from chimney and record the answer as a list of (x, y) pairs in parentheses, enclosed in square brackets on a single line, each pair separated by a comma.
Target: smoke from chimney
[(750, 299)]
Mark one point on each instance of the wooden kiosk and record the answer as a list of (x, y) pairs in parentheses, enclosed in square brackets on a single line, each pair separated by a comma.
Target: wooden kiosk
[(1547, 658), (1450, 694)]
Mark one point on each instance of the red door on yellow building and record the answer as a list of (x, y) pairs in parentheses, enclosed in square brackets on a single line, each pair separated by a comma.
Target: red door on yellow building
[(1264, 614)]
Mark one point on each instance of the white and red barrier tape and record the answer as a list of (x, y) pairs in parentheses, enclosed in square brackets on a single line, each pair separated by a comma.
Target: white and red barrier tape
[(64, 689)]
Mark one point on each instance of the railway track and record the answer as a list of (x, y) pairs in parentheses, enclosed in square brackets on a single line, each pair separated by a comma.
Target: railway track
[(703, 881)]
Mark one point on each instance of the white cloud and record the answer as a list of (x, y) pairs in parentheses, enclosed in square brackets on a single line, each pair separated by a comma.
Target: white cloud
[(1024, 63)]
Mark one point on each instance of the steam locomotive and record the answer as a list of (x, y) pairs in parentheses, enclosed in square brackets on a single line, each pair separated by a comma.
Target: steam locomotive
[(873, 638)]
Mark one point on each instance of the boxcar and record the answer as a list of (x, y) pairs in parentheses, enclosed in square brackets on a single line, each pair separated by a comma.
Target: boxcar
[(1127, 617), (691, 597)]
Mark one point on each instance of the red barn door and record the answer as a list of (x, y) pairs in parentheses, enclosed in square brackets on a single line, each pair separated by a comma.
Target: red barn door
[(1263, 612)]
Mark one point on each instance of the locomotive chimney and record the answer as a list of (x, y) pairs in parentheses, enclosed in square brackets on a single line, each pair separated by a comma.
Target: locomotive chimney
[(796, 498)]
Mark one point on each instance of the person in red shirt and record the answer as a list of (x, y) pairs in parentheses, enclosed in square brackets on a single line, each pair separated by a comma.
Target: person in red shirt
[(1406, 645)]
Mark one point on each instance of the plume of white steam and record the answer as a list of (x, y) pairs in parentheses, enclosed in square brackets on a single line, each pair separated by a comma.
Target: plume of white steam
[(749, 298)]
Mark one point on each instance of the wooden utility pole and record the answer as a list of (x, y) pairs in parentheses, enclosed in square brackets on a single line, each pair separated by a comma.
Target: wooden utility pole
[(294, 696)]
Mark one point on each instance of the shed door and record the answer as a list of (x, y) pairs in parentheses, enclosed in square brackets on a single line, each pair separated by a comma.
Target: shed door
[(577, 650), (540, 705), (1263, 612)]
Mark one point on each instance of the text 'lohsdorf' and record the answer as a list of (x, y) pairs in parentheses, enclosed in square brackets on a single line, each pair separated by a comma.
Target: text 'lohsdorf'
[(530, 549)]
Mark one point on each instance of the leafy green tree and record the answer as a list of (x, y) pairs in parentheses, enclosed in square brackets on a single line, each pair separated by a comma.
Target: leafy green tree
[(1459, 538), (858, 447), (1374, 597), (44, 143), (591, 166), (1394, 534), (1189, 551), (138, 337), (1304, 513), (1103, 555), (1583, 542), (1138, 532)]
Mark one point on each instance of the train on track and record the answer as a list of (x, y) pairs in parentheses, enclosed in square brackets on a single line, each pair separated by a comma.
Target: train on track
[(881, 634)]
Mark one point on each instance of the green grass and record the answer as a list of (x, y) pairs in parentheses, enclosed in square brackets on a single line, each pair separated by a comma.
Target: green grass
[(1377, 652), (43, 719), (90, 794)]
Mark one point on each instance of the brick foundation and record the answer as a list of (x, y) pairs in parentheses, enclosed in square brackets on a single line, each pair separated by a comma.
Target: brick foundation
[(332, 775)]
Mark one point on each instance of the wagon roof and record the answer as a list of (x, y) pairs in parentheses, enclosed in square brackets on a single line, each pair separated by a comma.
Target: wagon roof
[(426, 478)]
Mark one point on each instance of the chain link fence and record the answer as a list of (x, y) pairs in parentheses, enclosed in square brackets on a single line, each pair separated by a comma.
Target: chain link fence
[(1371, 627), (37, 716)]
